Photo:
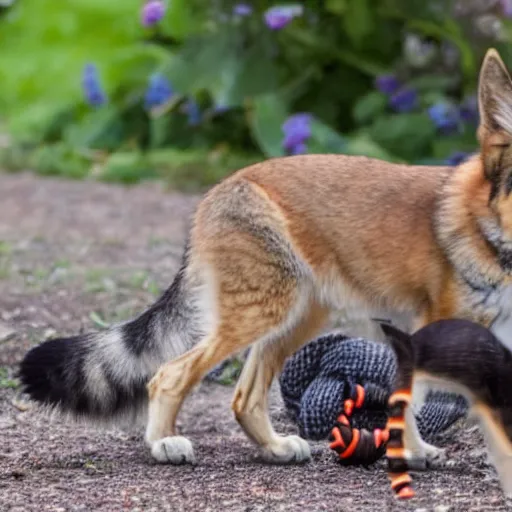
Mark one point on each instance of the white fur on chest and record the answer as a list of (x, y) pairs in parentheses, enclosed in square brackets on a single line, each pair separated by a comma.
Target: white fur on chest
[(502, 326)]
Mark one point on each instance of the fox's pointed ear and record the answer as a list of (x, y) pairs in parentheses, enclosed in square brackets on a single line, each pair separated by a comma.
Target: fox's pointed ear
[(495, 106), (393, 333), (399, 340), (494, 97)]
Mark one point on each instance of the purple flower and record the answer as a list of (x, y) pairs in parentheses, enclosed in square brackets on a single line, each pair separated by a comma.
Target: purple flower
[(158, 92), (242, 10), (279, 16), (445, 117), (404, 100), (193, 111), (220, 109), (152, 12), (299, 149), (91, 85), (388, 84), (469, 110), (297, 130), (506, 7), (457, 158)]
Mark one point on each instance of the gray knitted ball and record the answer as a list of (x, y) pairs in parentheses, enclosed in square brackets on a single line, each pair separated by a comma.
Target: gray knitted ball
[(318, 378)]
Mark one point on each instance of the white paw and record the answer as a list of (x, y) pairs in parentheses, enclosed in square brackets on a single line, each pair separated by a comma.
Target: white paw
[(173, 450), (287, 450), (435, 457), (426, 456)]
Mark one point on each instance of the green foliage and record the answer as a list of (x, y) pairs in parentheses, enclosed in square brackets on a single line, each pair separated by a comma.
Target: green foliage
[(6, 381), (246, 80), (266, 118)]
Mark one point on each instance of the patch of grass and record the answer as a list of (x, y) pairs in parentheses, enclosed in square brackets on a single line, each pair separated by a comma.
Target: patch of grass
[(227, 373), (5, 247), (155, 241), (99, 280), (195, 170), (105, 318), (5, 381), (5, 268), (98, 321), (188, 170), (62, 264), (36, 277), (142, 280), (5, 259)]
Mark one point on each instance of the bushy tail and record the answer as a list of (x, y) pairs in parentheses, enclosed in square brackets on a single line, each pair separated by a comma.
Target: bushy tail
[(400, 399), (104, 375)]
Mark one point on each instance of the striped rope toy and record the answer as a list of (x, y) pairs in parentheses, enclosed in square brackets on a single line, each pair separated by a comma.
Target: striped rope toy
[(338, 388)]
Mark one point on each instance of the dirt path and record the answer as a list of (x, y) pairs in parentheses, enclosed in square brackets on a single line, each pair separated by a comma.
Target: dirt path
[(74, 254)]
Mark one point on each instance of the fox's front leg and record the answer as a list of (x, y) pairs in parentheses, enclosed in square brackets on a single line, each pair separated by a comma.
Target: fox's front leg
[(422, 455)]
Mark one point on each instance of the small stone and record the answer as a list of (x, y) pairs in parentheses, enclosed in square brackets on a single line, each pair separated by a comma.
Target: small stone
[(49, 333), (21, 405), (442, 508)]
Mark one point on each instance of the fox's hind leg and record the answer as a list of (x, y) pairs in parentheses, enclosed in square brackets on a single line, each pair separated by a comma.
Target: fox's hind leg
[(255, 299), (167, 391), (250, 398)]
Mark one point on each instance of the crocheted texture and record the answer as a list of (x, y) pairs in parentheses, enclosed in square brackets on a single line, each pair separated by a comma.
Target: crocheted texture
[(317, 379)]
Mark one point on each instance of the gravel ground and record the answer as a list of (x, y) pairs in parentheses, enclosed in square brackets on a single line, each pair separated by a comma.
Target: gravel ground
[(75, 255)]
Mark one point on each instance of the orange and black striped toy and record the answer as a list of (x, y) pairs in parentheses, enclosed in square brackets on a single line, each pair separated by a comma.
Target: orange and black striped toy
[(395, 450), (362, 447), (354, 446)]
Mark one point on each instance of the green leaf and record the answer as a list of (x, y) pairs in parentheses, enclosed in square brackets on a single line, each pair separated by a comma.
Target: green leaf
[(369, 107), (100, 129), (443, 147), (336, 6), (256, 73), (433, 82), (362, 144), (158, 128), (358, 21), (406, 135), (128, 168), (325, 139), (182, 19), (265, 120), (59, 160), (215, 63), (132, 67), (98, 321), (200, 62)]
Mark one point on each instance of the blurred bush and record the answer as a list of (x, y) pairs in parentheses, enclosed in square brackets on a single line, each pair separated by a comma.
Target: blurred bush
[(126, 90)]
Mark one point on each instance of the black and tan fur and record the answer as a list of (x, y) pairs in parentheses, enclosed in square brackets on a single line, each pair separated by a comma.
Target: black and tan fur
[(462, 356), (276, 248)]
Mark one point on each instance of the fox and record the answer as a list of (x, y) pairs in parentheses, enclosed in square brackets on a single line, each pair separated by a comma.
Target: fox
[(466, 358), (272, 251)]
